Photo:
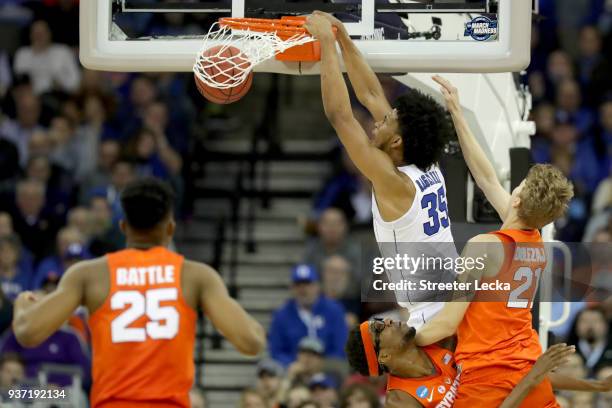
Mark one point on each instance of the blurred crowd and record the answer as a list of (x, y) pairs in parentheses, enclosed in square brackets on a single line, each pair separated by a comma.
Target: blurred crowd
[(71, 139)]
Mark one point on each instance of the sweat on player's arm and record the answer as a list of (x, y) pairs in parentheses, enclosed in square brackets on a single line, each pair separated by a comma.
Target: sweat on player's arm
[(481, 168), (371, 161), (446, 322)]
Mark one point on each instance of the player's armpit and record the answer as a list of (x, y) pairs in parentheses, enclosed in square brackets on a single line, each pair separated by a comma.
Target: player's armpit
[(232, 321), (401, 399), (35, 318)]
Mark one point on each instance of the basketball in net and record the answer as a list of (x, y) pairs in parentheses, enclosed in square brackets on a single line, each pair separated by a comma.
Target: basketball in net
[(224, 64)]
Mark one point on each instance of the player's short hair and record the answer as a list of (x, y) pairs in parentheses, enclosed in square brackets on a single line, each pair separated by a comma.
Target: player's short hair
[(545, 195), (355, 352), (425, 126), (146, 203)]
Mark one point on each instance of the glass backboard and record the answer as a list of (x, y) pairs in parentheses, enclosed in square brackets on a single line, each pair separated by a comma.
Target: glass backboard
[(395, 36)]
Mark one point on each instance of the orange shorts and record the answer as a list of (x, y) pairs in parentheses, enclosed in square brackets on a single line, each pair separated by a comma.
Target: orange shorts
[(490, 391)]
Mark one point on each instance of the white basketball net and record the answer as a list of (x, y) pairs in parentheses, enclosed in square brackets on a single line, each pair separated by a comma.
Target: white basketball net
[(220, 71)]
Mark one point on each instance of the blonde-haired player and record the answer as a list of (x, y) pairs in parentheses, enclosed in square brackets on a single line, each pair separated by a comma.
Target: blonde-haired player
[(497, 345)]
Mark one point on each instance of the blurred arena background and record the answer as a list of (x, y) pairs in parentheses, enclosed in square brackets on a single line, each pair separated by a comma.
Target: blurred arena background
[(263, 186)]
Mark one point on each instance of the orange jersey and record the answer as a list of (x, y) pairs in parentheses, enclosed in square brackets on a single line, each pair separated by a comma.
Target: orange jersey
[(437, 390), (496, 333), (143, 335), (497, 345)]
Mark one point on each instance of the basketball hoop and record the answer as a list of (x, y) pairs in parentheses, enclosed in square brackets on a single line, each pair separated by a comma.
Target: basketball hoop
[(258, 40)]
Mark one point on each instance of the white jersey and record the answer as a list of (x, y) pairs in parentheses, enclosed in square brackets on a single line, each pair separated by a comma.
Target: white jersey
[(424, 231)]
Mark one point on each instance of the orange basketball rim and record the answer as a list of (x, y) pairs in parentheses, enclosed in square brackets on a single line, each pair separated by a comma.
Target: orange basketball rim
[(285, 28)]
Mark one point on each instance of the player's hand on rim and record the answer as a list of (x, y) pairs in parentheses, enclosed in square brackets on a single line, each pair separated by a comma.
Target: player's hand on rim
[(319, 27), (333, 20), (450, 93)]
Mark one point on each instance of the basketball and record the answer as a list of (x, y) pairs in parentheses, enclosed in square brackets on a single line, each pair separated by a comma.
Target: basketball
[(222, 64)]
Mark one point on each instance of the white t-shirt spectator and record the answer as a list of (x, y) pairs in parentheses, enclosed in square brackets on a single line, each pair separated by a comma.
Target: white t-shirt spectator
[(52, 68)]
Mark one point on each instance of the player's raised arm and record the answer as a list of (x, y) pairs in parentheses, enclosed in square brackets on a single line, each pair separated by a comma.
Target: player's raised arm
[(446, 322), (372, 162), (232, 321), (480, 167), (367, 87), (36, 318)]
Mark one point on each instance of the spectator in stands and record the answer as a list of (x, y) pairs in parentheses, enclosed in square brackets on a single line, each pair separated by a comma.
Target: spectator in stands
[(310, 361), (109, 152), (90, 133), (66, 150), (153, 155), (106, 236), (339, 284), (20, 131), (122, 174), (359, 396), (346, 190), (251, 399), (81, 219), (569, 106), (51, 66), (323, 389), (59, 185), (64, 347), (196, 398), (12, 371), (6, 312), (36, 229), (332, 240), (590, 334), (307, 314), (15, 276), (298, 396), (6, 224), (63, 18), (70, 247), (269, 375)]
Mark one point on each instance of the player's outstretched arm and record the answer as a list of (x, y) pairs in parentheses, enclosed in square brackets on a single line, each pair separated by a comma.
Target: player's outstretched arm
[(554, 357), (36, 317), (372, 162), (367, 87), (480, 167), (489, 250), (232, 321), (563, 382)]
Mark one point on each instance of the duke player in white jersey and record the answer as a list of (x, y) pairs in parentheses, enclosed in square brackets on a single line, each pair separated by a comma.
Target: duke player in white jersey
[(401, 160)]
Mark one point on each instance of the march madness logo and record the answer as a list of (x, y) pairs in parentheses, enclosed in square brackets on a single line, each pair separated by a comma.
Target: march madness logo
[(481, 28)]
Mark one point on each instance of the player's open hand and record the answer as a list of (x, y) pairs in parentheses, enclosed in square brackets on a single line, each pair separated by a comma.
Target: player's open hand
[(319, 27), (552, 359), (450, 93)]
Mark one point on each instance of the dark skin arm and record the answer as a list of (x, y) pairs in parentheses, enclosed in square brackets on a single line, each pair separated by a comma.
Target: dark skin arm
[(373, 163), (35, 318), (367, 87), (401, 399), (554, 357), (232, 321)]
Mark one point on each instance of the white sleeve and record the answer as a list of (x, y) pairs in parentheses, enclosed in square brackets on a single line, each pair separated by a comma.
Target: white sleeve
[(69, 77)]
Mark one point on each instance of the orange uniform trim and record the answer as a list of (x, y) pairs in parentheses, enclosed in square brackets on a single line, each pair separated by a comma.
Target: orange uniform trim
[(368, 347)]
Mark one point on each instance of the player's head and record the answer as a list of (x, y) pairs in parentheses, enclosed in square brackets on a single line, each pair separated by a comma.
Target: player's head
[(542, 197), (415, 131), (148, 211), (377, 346)]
